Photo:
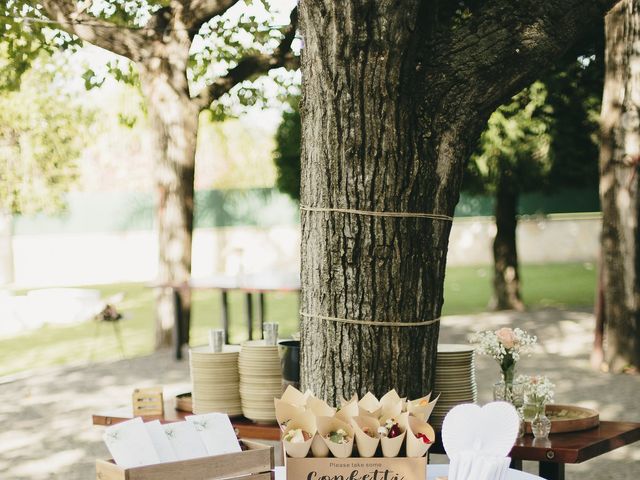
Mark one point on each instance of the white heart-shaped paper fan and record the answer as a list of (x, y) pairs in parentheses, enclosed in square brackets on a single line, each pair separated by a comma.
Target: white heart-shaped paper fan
[(500, 424), (459, 429), (490, 430)]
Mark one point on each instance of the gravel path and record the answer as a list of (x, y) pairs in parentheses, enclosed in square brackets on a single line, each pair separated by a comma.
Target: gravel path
[(45, 416)]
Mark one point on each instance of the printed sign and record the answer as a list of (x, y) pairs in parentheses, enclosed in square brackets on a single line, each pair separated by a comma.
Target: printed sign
[(399, 468)]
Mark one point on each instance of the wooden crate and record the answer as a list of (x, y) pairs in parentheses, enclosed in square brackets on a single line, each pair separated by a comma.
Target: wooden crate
[(255, 463), (397, 468)]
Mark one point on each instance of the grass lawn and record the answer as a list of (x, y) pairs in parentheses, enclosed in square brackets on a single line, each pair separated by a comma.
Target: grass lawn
[(467, 290)]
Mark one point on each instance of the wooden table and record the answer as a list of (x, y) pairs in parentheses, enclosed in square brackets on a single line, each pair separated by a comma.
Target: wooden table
[(552, 455), (562, 448), (250, 284)]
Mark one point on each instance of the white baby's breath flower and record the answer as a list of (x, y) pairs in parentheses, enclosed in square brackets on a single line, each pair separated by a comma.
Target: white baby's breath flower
[(538, 389)]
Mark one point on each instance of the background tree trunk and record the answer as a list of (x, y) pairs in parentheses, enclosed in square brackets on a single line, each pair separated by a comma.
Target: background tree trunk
[(619, 155), (506, 279), (597, 353), (6, 249), (174, 120)]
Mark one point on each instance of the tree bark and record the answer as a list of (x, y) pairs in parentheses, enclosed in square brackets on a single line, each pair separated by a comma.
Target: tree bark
[(394, 98), (175, 125), (506, 279), (619, 160), (364, 148), (6, 249), (174, 120), (597, 352)]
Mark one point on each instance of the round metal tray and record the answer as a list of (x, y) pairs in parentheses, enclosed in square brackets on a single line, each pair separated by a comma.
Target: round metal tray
[(569, 418)]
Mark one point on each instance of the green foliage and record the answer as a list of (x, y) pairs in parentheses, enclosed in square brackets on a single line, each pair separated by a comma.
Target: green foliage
[(22, 42), (575, 96), (248, 28), (544, 139), (513, 149), (41, 135), (287, 153)]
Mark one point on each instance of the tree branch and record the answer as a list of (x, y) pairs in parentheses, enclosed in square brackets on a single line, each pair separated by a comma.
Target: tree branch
[(514, 42), (251, 66), (198, 12), (122, 41)]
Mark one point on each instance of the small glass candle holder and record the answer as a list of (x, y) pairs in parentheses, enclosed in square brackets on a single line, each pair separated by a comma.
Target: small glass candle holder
[(270, 333), (216, 339)]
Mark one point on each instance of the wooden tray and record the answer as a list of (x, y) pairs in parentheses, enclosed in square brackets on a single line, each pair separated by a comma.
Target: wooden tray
[(184, 402), (569, 418)]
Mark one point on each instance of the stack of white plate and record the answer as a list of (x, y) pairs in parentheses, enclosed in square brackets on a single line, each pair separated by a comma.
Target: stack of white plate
[(455, 380), (260, 380), (215, 379)]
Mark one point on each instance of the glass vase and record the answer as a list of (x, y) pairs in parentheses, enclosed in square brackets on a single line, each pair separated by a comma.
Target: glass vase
[(522, 428), (507, 390), (540, 425)]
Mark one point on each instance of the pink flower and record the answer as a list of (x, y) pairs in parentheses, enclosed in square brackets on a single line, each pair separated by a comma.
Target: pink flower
[(506, 337)]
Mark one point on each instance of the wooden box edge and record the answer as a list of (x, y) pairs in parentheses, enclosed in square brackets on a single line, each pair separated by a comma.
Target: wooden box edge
[(249, 464)]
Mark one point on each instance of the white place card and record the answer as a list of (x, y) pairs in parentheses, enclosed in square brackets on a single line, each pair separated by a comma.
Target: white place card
[(216, 432), (160, 442), (185, 440), (130, 444)]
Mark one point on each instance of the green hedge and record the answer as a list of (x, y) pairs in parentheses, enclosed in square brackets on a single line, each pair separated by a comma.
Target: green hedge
[(264, 207)]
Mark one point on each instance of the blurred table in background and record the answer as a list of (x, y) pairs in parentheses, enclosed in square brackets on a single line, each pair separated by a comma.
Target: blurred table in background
[(249, 284)]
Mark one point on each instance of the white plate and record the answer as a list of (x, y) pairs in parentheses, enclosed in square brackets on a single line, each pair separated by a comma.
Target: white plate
[(454, 348)]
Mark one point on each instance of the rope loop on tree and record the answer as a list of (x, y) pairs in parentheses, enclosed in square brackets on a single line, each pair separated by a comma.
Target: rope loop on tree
[(433, 216), (370, 323)]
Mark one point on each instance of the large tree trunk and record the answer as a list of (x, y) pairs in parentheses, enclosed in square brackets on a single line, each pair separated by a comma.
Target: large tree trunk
[(369, 142), (395, 94), (506, 279), (619, 155), (174, 120)]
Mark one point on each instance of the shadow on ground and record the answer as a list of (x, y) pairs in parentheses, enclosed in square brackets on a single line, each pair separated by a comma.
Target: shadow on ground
[(46, 417)]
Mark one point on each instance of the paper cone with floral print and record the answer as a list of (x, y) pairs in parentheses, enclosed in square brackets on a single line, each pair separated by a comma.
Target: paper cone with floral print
[(390, 398), (421, 408), (369, 406), (294, 396), (416, 447), (326, 425), (320, 408), (367, 445), (319, 448), (418, 402), (391, 446), (305, 422), (348, 409), (286, 411)]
